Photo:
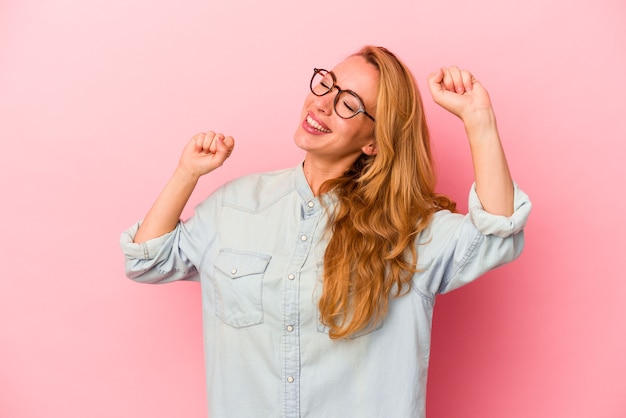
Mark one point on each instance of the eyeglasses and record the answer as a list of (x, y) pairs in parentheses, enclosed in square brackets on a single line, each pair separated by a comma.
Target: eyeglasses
[(347, 103)]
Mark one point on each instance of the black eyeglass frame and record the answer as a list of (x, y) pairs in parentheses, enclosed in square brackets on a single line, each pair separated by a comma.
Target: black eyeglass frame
[(323, 72)]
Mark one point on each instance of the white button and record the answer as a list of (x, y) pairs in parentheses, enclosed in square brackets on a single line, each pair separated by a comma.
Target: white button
[(291, 277), (311, 204), (290, 328), (290, 379), (303, 238), (233, 271)]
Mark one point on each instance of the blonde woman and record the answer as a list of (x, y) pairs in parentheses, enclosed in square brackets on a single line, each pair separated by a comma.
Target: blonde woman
[(318, 282)]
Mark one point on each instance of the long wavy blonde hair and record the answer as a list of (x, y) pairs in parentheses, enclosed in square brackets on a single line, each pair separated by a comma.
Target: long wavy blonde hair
[(383, 203)]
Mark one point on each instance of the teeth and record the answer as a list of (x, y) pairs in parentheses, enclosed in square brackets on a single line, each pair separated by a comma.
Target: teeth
[(316, 125)]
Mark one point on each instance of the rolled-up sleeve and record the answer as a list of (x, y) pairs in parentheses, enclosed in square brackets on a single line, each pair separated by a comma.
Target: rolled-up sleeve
[(500, 226), (159, 260), (141, 251), (176, 254), (457, 249)]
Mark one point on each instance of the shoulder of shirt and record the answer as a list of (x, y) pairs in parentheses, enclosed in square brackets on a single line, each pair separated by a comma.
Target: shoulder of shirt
[(258, 191), (442, 225)]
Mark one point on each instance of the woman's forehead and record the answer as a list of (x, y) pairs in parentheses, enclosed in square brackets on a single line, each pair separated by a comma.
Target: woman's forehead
[(356, 74), (355, 67)]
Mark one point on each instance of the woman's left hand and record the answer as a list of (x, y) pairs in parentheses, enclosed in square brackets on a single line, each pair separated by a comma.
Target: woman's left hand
[(460, 93)]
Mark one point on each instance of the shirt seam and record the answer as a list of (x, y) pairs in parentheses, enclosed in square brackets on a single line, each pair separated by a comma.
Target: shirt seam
[(261, 208), (478, 238)]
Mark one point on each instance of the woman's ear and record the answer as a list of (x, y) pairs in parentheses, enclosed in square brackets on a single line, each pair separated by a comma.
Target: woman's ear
[(370, 149)]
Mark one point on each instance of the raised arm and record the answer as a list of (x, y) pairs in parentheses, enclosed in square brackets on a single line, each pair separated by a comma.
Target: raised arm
[(203, 153), (461, 94)]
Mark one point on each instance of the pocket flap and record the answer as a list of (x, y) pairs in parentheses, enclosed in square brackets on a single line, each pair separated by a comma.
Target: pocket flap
[(235, 264)]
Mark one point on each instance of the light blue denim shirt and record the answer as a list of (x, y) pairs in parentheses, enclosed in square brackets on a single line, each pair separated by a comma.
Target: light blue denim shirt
[(256, 245)]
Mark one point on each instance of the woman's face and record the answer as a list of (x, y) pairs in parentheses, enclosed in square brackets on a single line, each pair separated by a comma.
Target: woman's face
[(326, 136)]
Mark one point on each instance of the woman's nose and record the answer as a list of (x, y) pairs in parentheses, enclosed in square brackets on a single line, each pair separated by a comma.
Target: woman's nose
[(325, 103)]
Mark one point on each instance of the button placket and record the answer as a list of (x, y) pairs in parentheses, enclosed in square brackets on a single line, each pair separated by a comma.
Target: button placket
[(291, 308)]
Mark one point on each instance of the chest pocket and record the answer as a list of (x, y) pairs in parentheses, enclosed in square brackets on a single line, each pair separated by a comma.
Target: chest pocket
[(238, 281)]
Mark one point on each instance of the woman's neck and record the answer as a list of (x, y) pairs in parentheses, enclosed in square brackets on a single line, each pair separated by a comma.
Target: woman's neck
[(317, 173)]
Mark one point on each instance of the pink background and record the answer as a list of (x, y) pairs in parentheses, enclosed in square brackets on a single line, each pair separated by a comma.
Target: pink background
[(98, 97)]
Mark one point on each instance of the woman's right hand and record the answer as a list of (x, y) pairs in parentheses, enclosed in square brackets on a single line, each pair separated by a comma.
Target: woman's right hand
[(205, 152)]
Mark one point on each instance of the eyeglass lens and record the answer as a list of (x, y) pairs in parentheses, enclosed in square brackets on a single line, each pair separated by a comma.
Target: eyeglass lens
[(347, 104)]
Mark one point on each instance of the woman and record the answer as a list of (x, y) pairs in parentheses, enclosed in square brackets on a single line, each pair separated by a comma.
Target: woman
[(318, 282)]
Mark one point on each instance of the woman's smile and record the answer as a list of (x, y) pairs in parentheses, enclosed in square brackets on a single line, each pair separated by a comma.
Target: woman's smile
[(314, 126)]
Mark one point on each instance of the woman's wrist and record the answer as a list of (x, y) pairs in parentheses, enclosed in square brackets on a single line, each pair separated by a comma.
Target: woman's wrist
[(480, 121), (184, 175)]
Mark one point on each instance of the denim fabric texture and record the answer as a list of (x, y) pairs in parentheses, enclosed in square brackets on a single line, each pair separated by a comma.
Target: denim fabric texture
[(256, 245)]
